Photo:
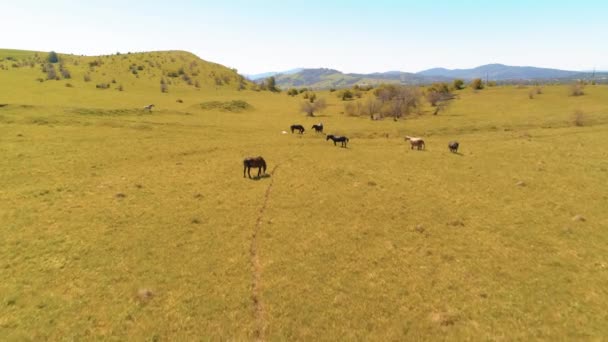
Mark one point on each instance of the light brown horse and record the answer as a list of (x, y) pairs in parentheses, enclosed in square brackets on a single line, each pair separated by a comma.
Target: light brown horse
[(258, 162), (415, 142)]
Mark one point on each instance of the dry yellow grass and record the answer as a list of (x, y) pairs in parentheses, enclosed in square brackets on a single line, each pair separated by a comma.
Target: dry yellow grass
[(118, 224)]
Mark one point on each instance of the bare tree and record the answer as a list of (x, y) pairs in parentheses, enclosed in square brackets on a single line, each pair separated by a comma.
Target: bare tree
[(311, 107), (371, 107)]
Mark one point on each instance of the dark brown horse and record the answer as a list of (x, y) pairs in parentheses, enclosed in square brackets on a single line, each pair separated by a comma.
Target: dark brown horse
[(258, 162), (297, 128), (336, 138), (453, 145), (318, 128)]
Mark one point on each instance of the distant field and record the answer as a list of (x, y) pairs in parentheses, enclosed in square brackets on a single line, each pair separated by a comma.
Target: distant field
[(121, 224)]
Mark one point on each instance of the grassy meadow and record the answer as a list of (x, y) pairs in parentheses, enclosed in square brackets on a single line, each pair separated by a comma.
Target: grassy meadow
[(120, 224)]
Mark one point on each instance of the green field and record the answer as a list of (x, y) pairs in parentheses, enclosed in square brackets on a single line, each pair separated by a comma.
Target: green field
[(120, 224)]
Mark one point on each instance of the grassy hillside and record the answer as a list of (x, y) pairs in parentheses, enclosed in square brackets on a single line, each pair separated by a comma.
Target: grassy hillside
[(122, 224), (135, 78)]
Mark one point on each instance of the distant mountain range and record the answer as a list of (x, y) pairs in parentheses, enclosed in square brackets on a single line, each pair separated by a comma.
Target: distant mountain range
[(323, 78), (255, 77)]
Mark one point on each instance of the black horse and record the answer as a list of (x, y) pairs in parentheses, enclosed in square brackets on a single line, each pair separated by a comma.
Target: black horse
[(297, 128), (258, 162), (318, 128), (341, 139), (453, 145)]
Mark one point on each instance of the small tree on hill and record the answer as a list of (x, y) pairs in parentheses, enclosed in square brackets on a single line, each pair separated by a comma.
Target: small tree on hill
[(270, 84), (52, 57)]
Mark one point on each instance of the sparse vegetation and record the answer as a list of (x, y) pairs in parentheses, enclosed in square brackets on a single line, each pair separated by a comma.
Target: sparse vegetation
[(310, 107), (389, 243), (226, 106)]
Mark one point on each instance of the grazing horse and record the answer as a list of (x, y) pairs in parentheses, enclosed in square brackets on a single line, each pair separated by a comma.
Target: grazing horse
[(149, 107), (341, 139), (453, 145), (297, 128), (318, 128), (258, 162), (415, 142)]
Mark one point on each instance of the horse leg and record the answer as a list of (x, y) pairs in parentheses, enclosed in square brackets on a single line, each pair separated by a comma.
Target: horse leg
[(244, 170), (249, 171), (259, 171)]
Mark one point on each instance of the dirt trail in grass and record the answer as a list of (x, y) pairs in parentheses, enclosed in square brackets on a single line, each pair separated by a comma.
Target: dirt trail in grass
[(260, 319)]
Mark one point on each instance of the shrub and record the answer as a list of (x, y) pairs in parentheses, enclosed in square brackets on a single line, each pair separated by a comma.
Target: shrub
[(51, 74), (458, 84), (87, 78), (577, 89), (102, 86), (578, 118), (310, 107), (65, 73), (164, 88), (346, 95), (120, 88), (476, 84), (228, 106)]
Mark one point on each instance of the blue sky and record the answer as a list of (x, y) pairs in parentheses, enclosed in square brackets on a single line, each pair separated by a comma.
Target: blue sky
[(351, 36)]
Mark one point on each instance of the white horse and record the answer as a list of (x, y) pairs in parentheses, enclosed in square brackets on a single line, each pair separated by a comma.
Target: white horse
[(149, 107)]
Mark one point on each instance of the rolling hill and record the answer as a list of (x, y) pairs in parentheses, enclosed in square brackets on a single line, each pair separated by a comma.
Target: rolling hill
[(167, 71), (501, 72), (323, 78)]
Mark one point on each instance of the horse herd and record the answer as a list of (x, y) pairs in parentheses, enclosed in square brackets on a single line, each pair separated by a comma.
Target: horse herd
[(319, 129), (260, 163)]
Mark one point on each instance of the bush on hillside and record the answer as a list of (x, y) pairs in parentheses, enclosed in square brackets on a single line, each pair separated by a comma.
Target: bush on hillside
[(476, 84), (458, 84), (346, 95)]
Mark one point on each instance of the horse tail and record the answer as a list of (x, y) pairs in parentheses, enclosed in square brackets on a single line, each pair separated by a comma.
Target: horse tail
[(263, 164)]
